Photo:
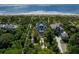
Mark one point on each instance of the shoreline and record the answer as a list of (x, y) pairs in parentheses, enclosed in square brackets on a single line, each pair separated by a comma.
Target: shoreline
[(40, 13)]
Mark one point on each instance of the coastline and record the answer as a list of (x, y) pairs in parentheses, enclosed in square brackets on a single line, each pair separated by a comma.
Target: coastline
[(50, 13)]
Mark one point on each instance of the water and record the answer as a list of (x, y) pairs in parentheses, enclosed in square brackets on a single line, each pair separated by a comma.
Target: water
[(65, 8)]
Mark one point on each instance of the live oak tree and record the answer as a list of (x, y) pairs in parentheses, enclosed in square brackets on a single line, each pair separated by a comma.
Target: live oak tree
[(6, 40), (73, 45)]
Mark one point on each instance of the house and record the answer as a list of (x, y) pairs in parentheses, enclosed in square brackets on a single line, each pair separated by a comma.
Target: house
[(59, 31), (8, 26), (40, 27), (64, 36)]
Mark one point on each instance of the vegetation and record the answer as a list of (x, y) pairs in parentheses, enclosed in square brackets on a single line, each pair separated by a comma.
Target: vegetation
[(19, 40), (73, 45)]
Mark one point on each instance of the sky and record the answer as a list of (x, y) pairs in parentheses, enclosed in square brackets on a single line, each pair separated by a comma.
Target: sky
[(39, 8)]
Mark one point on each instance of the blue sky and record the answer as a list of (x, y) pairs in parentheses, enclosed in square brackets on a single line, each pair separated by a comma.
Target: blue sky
[(39, 7)]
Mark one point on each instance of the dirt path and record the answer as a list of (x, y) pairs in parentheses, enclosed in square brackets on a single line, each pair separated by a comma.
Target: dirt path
[(61, 45), (42, 42), (58, 39)]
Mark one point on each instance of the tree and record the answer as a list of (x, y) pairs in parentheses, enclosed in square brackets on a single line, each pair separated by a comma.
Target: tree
[(73, 45), (23, 38), (6, 40), (45, 51), (18, 34), (35, 35), (17, 44), (50, 35), (13, 51)]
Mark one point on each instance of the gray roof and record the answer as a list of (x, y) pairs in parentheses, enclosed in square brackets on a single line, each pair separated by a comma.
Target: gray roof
[(64, 35), (53, 26), (8, 26), (40, 27), (59, 30)]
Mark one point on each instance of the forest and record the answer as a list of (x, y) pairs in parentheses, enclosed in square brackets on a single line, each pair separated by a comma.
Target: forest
[(19, 40)]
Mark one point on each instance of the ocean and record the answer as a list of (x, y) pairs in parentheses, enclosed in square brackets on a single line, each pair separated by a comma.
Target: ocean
[(25, 8)]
